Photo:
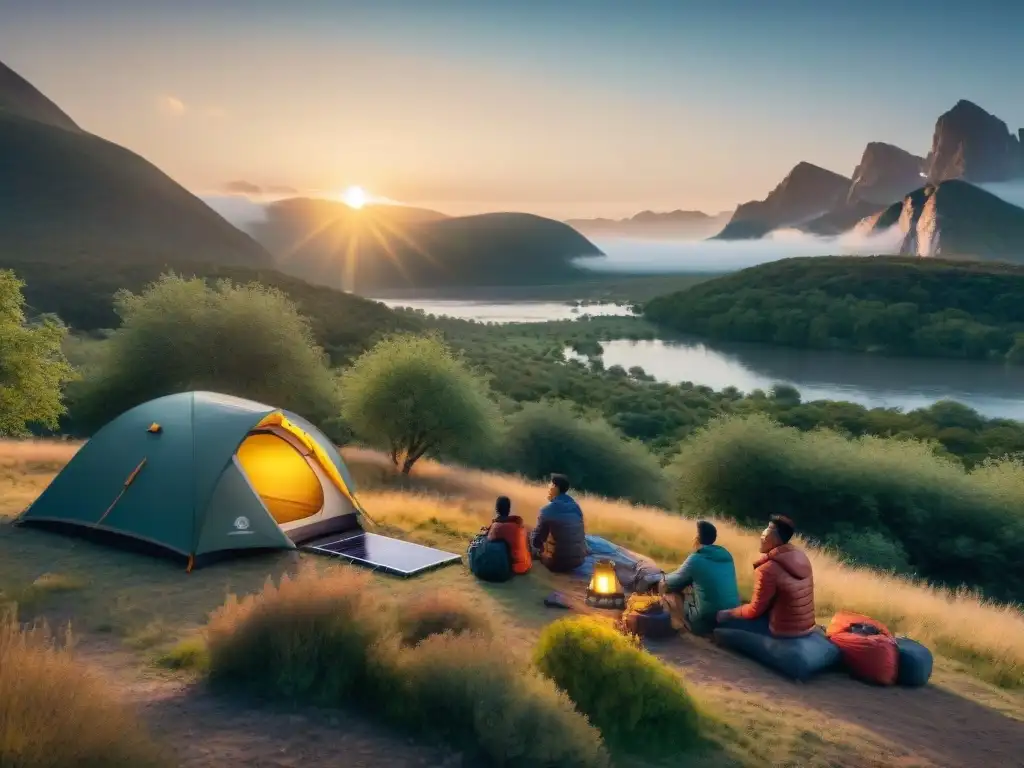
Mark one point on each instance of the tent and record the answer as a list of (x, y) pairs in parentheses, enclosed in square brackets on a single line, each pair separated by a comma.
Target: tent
[(201, 473)]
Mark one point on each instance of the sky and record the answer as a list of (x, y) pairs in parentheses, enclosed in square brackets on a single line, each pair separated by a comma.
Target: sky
[(565, 108)]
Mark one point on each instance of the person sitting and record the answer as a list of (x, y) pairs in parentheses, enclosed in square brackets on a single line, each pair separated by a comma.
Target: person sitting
[(702, 586), (510, 529), (559, 537), (783, 601)]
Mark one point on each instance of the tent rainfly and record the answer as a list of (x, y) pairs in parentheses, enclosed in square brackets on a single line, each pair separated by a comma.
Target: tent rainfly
[(199, 474)]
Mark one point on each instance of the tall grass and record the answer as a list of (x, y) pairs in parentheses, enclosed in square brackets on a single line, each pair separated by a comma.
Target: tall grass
[(53, 712), (951, 526), (986, 636), (336, 640)]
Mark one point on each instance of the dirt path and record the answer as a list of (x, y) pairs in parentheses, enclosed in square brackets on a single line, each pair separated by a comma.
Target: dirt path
[(931, 722)]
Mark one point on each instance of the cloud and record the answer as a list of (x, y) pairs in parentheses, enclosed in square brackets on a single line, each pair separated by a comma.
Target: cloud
[(242, 187), (171, 105), (676, 256), (1010, 191), (281, 190)]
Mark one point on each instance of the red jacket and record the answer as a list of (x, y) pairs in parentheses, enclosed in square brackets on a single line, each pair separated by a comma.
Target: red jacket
[(512, 532), (783, 586)]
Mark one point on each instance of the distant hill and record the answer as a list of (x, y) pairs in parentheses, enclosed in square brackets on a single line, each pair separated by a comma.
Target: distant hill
[(385, 246), (884, 174), (807, 193), (671, 225), (955, 219), (886, 305), (66, 194)]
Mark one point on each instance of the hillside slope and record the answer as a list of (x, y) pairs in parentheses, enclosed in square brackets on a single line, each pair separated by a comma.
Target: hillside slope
[(671, 225), (65, 194), (383, 246), (955, 219), (906, 306)]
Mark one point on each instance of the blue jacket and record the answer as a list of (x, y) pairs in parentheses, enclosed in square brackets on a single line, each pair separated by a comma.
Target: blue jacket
[(712, 574), (559, 535)]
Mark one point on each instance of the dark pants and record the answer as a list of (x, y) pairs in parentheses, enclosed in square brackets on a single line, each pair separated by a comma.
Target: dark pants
[(682, 608), (758, 626)]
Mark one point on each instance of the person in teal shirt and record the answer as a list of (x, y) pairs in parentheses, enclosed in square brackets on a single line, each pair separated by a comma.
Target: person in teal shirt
[(703, 585)]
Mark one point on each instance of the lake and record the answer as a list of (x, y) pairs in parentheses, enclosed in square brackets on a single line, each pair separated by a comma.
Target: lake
[(994, 390), (507, 312)]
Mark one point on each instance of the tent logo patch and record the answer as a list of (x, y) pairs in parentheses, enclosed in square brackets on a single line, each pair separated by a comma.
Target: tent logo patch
[(241, 526)]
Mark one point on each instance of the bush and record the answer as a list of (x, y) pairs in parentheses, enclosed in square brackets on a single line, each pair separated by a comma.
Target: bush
[(423, 615), (411, 396), (54, 713), (550, 437), (637, 702), (310, 639), (954, 527), (474, 693), (180, 335), (33, 369)]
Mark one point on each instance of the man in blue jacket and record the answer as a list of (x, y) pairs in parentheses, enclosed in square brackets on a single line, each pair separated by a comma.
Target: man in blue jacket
[(703, 585), (559, 538)]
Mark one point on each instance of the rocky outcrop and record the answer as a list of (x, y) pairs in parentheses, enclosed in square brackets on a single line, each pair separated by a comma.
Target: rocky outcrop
[(885, 174), (954, 219), (973, 145), (807, 192)]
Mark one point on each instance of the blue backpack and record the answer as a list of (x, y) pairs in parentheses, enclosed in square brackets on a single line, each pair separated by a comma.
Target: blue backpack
[(489, 560)]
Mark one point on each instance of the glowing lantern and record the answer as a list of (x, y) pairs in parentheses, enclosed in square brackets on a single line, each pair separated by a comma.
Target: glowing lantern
[(604, 590)]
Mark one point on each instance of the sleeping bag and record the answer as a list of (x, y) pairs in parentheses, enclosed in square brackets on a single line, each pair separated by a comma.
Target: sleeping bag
[(868, 648), (798, 658), (489, 560), (915, 663)]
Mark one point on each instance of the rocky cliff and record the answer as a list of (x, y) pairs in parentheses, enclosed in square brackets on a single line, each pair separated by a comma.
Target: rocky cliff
[(971, 144), (885, 174)]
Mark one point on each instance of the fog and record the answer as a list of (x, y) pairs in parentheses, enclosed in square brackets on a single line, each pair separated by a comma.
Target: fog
[(625, 255), (240, 211), (1010, 191)]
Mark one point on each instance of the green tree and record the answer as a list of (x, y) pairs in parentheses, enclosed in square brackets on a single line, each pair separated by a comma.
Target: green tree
[(412, 396), (183, 334), (33, 369)]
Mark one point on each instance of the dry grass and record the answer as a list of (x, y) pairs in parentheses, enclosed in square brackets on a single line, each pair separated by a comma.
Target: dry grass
[(451, 504), (53, 712), (26, 467), (423, 615)]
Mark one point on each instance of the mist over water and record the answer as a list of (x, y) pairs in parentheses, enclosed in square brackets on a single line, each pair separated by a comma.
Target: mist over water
[(645, 256)]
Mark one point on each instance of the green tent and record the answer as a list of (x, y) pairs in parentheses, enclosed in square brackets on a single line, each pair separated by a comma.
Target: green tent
[(200, 473)]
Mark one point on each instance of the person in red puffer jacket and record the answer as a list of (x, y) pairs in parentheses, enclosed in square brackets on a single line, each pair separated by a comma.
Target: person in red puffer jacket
[(783, 601), (510, 529)]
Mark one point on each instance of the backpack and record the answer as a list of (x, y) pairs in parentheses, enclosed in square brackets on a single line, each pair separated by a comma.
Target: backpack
[(489, 560)]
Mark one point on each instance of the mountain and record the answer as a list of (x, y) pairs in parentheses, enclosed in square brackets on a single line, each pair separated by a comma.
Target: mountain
[(955, 219), (18, 97), (885, 174), (389, 246), (67, 194), (806, 193), (840, 219), (971, 144), (679, 224)]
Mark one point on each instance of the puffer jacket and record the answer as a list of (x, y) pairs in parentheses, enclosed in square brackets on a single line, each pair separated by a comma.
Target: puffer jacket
[(783, 586), (559, 534), (511, 530)]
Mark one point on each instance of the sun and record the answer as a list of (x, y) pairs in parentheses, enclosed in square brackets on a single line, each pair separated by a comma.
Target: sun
[(354, 197)]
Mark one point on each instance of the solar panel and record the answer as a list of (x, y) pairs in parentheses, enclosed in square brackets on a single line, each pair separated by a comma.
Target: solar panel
[(401, 558)]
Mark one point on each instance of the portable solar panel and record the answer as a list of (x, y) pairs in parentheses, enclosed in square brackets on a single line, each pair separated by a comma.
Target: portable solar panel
[(401, 558)]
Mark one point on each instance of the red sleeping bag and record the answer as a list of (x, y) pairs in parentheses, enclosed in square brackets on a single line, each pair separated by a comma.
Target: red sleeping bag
[(869, 650)]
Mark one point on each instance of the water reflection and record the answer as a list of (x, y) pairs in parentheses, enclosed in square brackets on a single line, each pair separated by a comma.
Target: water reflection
[(508, 312), (994, 390)]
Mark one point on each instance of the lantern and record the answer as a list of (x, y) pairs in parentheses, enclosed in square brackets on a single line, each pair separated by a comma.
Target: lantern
[(604, 590)]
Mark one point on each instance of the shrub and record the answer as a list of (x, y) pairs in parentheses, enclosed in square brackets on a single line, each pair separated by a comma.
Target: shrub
[(637, 702), (191, 654), (312, 638), (53, 712), (423, 615), (33, 369), (474, 693), (551, 437), (954, 527), (179, 335), (411, 396)]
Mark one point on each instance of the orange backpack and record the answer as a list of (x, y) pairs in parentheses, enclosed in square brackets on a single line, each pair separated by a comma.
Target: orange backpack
[(869, 650)]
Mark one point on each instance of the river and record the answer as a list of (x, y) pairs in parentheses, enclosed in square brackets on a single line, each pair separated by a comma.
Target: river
[(907, 383)]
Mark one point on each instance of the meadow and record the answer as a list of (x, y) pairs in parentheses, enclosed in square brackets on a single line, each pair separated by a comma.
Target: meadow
[(134, 617)]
